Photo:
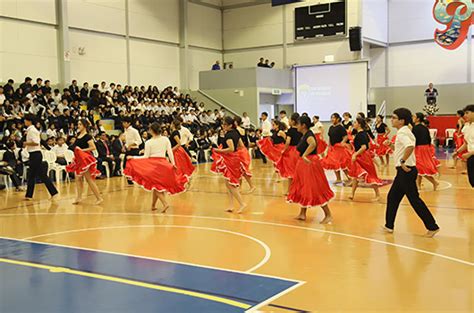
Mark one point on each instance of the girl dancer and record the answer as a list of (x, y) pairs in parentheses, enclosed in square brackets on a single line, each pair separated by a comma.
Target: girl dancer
[(382, 136), (272, 146), (84, 163), (310, 186), (227, 162), (459, 138), (183, 161), (318, 130), (338, 157), (289, 156), (425, 163), (362, 166), (244, 153), (154, 172)]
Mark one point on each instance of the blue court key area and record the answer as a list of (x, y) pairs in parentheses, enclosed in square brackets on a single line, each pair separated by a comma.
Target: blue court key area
[(25, 288)]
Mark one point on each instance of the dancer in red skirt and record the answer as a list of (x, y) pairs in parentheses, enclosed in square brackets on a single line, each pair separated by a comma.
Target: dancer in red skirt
[(382, 136), (84, 163), (228, 163), (154, 172), (272, 146), (244, 153), (362, 166), (338, 157), (318, 130), (310, 186), (289, 156), (183, 161), (459, 138), (425, 163)]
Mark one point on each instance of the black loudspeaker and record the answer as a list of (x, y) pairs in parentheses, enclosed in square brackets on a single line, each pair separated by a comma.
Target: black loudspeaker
[(371, 110), (355, 38)]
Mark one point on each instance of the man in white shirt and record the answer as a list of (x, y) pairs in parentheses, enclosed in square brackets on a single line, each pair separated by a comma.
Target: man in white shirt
[(405, 181), (468, 132), (133, 140), (2, 96), (284, 118), (266, 125), (37, 170), (246, 121)]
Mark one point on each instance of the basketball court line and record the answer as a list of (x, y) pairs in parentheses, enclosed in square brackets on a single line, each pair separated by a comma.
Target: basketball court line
[(265, 247), (262, 223)]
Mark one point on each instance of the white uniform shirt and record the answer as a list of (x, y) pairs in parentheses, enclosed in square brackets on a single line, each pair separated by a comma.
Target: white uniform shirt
[(158, 147), (316, 129), (405, 139), (286, 121), (246, 122), (33, 135), (132, 136), (468, 131), (186, 136), (266, 128), (59, 150)]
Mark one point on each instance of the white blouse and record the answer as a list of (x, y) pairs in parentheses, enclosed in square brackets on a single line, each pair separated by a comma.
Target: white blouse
[(159, 147)]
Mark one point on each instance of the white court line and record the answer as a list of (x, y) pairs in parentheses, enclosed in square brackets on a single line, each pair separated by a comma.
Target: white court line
[(260, 223), (265, 247), (275, 297)]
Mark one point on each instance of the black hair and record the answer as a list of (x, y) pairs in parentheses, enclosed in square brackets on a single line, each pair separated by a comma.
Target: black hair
[(294, 117), (30, 117), (238, 120), (10, 144), (460, 113), (404, 114), (316, 117), (337, 116), (381, 116), (85, 123), (229, 121), (281, 125), (282, 112), (420, 116), (177, 124), (127, 119), (265, 113), (362, 122), (345, 114), (155, 128), (305, 120), (469, 107)]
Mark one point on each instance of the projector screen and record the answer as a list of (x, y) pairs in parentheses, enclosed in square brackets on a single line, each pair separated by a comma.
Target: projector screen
[(325, 89)]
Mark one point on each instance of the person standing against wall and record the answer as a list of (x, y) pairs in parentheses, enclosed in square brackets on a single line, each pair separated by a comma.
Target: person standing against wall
[(468, 133)]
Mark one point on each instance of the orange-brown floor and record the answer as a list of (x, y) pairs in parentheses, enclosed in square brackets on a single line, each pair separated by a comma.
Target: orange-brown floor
[(347, 266)]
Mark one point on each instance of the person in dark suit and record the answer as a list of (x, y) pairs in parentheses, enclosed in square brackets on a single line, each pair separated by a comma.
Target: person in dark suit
[(105, 155), (11, 160)]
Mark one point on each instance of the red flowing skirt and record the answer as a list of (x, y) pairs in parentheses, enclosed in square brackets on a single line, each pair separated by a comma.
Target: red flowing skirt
[(155, 174), (287, 163), (322, 144), (382, 149), (459, 141), (338, 158), (183, 163), (245, 160), (83, 162), (271, 151), (229, 165), (433, 155), (364, 168), (310, 186), (350, 137), (425, 163)]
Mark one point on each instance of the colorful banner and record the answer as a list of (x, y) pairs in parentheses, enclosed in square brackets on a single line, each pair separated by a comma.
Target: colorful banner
[(457, 15)]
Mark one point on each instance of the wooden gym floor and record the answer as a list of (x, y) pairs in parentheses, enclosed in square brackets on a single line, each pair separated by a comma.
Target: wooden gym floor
[(198, 258)]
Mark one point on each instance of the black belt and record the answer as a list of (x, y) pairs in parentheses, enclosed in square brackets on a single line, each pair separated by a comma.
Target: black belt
[(399, 167)]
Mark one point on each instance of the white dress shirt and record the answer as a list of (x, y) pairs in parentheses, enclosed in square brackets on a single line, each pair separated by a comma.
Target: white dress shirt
[(316, 129), (59, 150), (468, 131), (286, 121), (266, 128), (132, 136), (33, 135), (405, 139), (186, 136), (158, 147), (246, 122)]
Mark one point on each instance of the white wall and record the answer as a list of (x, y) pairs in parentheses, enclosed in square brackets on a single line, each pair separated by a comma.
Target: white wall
[(31, 10), (104, 59), (377, 67), (250, 58), (204, 26), (27, 49), (375, 20), (153, 63), (154, 19), (200, 60), (97, 15)]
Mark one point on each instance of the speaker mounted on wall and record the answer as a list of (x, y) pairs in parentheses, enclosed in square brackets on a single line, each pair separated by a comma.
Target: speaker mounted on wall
[(355, 38)]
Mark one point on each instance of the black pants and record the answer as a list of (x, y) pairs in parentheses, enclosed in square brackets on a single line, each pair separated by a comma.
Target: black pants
[(405, 185), (470, 170), (38, 170), (133, 152)]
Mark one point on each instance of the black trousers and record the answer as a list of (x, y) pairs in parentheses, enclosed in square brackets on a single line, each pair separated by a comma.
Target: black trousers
[(405, 185), (133, 152), (38, 170), (470, 170)]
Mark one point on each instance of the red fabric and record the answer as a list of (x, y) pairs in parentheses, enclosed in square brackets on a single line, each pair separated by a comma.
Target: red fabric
[(459, 141), (441, 123), (83, 162), (338, 158), (382, 149), (433, 155), (183, 163), (245, 160), (271, 151), (287, 163), (322, 144), (372, 148), (155, 174), (364, 168), (310, 186), (229, 165), (425, 162)]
